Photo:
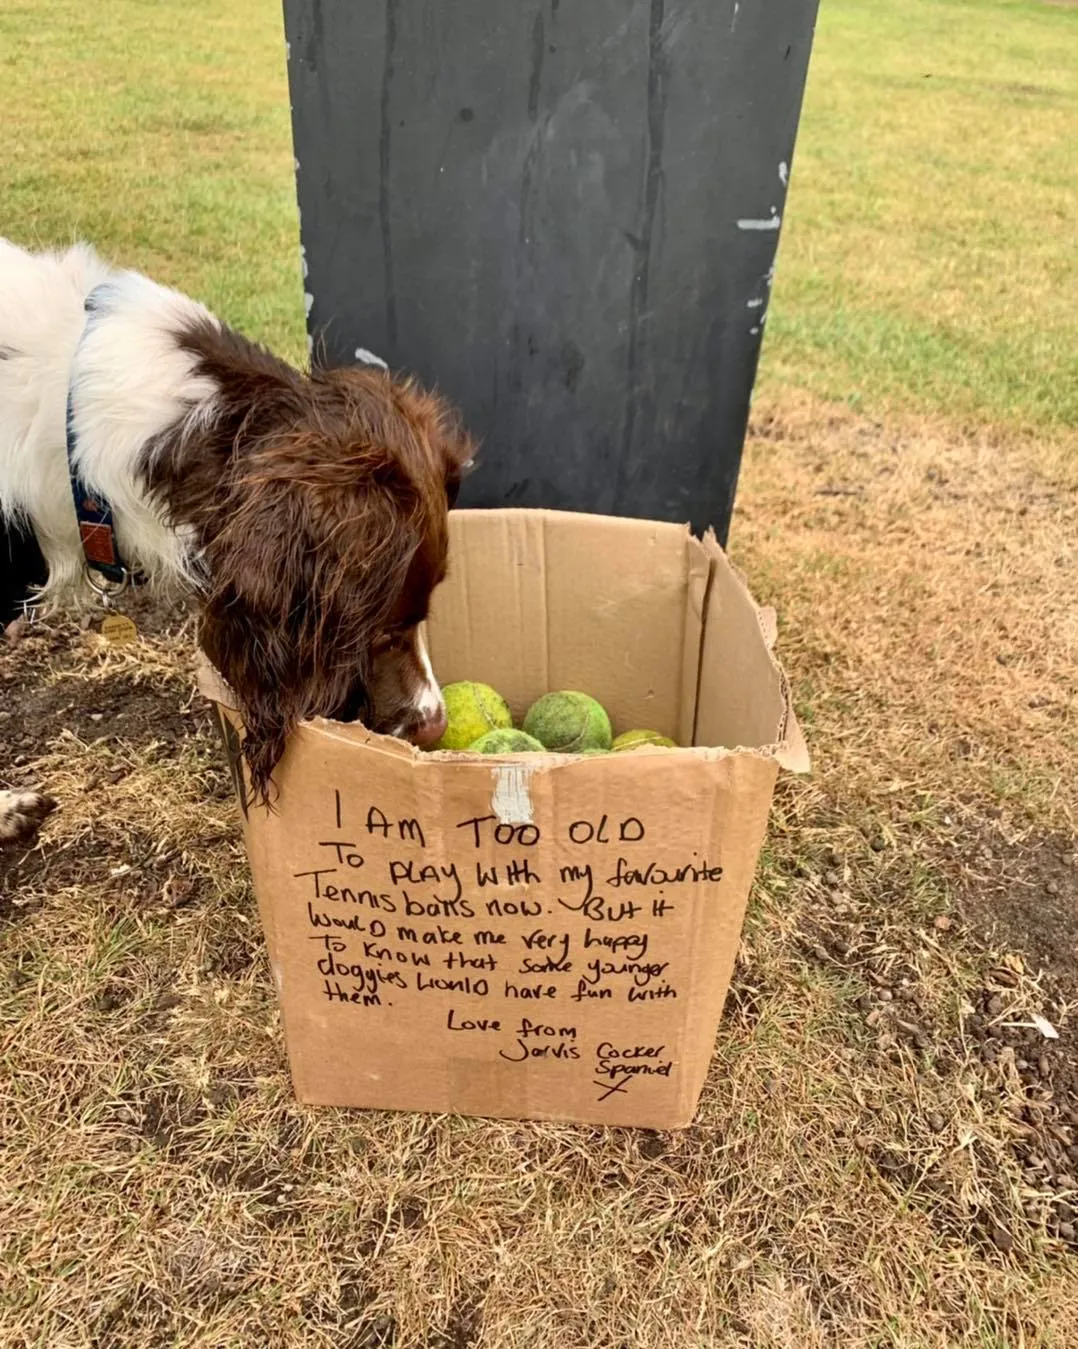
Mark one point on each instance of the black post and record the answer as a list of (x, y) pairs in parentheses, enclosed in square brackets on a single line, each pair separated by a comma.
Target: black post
[(565, 216)]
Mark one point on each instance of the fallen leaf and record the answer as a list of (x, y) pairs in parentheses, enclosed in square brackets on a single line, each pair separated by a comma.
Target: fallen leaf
[(1045, 1027)]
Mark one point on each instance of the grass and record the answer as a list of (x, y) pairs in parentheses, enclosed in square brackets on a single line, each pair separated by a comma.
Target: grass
[(878, 1158), (926, 257), (158, 130)]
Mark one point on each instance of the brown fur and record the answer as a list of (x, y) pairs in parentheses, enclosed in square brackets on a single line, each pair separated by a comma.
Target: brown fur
[(319, 505)]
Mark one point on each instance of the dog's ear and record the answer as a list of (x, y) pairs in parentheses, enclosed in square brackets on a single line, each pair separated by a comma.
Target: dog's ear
[(304, 574)]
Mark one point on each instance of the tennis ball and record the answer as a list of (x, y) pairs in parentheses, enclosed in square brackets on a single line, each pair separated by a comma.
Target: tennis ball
[(568, 723), (630, 740), (506, 742), (471, 710)]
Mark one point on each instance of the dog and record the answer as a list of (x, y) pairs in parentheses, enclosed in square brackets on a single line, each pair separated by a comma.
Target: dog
[(306, 512)]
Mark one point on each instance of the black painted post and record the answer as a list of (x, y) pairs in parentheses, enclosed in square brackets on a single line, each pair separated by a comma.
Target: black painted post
[(565, 215)]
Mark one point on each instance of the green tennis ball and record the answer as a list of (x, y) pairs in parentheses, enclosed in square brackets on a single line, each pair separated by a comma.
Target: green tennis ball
[(630, 740), (471, 710), (568, 723), (506, 742)]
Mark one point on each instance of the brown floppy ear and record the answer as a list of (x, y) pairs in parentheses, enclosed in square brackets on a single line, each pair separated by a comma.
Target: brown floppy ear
[(303, 574)]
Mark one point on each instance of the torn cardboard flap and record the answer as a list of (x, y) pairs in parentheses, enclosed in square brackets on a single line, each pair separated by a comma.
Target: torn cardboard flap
[(533, 936)]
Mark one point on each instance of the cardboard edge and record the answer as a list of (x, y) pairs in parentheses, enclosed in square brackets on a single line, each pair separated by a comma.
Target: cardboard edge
[(699, 590), (212, 686), (785, 752), (790, 750)]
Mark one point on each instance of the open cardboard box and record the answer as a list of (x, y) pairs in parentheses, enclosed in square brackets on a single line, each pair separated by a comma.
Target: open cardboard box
[(534, 936)]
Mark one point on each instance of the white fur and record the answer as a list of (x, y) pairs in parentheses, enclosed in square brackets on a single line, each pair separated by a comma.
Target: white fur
[(429, 699), (21, 813), (130, 381)]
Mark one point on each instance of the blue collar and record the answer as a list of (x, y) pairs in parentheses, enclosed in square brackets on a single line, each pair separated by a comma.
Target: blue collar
[(97, 529)]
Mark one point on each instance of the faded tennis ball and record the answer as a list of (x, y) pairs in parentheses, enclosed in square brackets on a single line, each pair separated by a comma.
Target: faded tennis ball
[(630, 740), (471, 710), (568, 723), (506, 742)]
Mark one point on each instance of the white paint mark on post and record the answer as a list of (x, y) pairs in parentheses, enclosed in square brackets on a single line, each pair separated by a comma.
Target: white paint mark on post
[(365, 357), (755, 302), (308, 302), (303, 262), (771, 223), (784, 172), (512, 798)]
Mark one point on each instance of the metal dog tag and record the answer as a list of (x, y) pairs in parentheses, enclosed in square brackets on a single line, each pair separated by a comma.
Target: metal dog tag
[(118, 629)]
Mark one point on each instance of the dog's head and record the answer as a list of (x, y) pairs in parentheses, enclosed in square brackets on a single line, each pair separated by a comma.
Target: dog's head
[(320, 504)]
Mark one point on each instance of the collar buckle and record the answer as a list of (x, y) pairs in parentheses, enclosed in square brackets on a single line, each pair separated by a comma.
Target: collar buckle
[(107, 588)]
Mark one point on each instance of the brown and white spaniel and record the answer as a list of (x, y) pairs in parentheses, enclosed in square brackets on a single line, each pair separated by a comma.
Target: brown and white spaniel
[(307, 512)]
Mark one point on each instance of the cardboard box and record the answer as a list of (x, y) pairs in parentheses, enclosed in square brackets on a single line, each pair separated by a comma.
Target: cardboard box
[(536, 936)]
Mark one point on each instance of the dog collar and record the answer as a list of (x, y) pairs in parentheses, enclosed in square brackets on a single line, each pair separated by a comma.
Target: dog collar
[(97, 529)]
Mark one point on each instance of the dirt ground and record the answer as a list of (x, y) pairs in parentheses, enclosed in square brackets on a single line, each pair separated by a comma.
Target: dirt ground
[(886, 1151)]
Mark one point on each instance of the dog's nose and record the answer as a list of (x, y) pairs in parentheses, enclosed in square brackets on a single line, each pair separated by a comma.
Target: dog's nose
[(432, 726)]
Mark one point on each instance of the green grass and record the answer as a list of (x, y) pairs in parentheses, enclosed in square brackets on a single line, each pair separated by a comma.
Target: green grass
[(927, 262), (159, 130)]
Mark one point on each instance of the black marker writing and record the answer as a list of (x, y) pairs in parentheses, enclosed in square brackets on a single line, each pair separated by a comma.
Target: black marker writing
[(629, 830), (344, 894), (352, 923), (416, 873), (436, 908), (407, 830), (455, 1021), (634, 944), (457, 960), (600, 910), (478, 988), (526, 835), (642, 974), (439, 936), (346, 854), (653, 874), (514, 908), (522, 1052)]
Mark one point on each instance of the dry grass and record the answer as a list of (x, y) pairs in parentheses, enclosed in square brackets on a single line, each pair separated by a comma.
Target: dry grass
[(926, 579), (877, 1159)]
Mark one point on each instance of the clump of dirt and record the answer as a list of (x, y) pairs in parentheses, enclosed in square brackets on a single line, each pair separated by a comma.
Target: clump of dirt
[(1024, 886)]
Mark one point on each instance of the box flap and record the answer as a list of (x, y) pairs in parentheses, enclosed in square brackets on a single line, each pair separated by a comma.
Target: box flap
[(743, 697), (609, 606)]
